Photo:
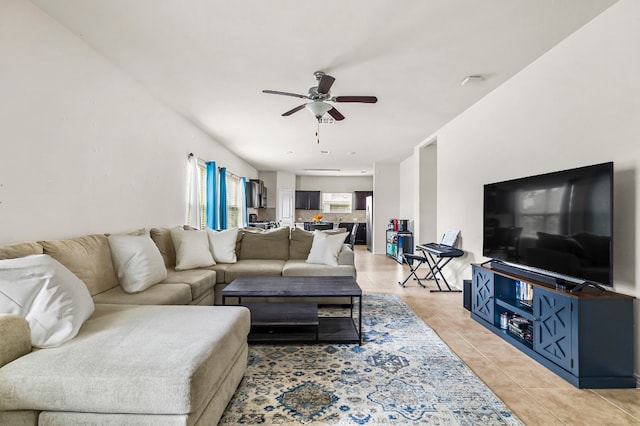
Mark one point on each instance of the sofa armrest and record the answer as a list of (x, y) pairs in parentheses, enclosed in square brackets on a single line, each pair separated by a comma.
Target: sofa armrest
[(15, 338), (346, 256)]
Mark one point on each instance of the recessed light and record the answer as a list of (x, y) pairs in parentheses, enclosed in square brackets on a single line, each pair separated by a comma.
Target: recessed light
[(321, 170), (471, 78), (352, 153), (324, 152), (363, 171), (289, 152)]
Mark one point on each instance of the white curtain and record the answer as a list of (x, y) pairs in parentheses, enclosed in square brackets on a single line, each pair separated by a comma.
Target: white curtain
[(193, 214), (242, 203)]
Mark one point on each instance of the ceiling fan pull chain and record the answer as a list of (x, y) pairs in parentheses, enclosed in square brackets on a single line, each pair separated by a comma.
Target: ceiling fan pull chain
[(318, 131)]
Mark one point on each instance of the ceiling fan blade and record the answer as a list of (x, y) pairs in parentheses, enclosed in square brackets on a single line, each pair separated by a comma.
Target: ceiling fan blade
[(335, 114), (275, 92), (363, 99), (325, 84), (296, 109)]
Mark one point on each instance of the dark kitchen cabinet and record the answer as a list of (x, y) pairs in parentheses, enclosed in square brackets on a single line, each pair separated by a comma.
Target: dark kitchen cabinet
[(308, 200), (361, 199)]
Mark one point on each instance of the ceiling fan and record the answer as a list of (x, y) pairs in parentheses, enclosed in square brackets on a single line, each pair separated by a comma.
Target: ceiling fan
[(320, 95)]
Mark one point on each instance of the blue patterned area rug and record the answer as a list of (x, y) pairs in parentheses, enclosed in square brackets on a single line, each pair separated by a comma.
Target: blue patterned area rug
[(403, 374)]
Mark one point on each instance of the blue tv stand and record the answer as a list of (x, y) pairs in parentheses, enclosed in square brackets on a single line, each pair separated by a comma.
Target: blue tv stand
[(584, 337)]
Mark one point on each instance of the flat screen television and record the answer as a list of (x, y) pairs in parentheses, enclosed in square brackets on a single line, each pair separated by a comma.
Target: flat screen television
[(557, 224)]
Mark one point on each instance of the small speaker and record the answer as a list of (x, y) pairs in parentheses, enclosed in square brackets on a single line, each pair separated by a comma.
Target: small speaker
[(466, 294)]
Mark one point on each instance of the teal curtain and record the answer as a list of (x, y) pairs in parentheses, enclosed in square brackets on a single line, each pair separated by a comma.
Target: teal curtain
[(212, 196), (245, 218), (223, 198)]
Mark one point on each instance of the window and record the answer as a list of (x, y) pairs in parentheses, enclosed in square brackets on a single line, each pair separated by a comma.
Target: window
[(540, 209), (234, 195), (202, 191), (336, 202)]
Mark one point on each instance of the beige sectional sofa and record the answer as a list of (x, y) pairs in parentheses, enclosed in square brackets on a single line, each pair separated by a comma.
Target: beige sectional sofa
[(135, 361)]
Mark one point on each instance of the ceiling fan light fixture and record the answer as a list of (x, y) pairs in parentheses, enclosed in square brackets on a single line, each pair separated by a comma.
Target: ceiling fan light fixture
[(318, 108)]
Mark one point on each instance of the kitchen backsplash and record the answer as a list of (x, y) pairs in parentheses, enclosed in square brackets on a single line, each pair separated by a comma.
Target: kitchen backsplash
[(269, 214), (354, 216)]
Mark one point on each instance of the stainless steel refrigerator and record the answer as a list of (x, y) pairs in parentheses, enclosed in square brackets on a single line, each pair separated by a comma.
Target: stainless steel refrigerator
[(369, 227)]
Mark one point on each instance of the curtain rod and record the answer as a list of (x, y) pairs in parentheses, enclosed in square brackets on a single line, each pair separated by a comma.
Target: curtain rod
[(232, 174), (228, 172)]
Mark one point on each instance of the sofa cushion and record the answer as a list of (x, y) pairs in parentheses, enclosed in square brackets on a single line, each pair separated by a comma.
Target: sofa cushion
[(272, 244), (14, 329), (223, 245), (162, 238), (20, 250), (137, 261), (300, 268), (346, 256), (253, 267), (159, 294), (151, 359), (54, 302), (199, 280), (221, 269), (88, 257), (192, 249), (301, 241), (325, 248)]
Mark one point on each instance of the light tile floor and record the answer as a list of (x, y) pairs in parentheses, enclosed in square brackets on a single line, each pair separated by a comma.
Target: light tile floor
[(535, 394)]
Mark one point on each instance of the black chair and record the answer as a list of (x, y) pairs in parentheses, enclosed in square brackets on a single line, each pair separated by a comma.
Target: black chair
[(352, 235)]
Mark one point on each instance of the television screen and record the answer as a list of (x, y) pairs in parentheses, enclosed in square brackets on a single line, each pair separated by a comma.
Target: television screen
[(559, 224)]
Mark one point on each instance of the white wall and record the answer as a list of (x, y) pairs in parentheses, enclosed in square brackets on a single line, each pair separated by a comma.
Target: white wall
[(270, 180), (408, 185), (427, 177), (579, 104), (386, 202), (334, 183), (83, 148), (286, 180)]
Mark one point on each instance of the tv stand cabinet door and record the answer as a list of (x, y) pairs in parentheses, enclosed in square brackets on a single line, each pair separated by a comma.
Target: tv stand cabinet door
[(483, 303), (552, 327)]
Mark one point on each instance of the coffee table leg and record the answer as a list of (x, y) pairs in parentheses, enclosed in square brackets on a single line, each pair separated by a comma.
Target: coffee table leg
[(360, 322)]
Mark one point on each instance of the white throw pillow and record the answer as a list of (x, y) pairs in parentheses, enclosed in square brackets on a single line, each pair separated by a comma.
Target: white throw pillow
[(192, 249), (325, 248), (223, 245), (51, 298), (137, 261)]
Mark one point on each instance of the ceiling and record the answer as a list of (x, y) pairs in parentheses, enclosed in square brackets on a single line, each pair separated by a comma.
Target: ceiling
[(209, 60)]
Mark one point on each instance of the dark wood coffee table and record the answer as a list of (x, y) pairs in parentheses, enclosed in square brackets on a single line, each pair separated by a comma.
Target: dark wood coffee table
[(298, 321)]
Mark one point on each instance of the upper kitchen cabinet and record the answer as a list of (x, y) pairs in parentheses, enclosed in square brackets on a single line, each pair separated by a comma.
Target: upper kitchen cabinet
[(308, 200), (361, 199)]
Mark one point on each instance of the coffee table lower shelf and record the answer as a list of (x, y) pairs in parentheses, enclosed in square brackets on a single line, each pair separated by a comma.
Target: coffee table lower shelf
[(298, 322)]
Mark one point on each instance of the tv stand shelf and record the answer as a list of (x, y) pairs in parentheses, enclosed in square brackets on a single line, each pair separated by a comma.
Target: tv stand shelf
[(584, 337)]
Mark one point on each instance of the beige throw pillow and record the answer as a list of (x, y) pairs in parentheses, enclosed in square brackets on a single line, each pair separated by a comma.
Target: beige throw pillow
[(325, 248), (192, 249), (223, 245), (137, 261)]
